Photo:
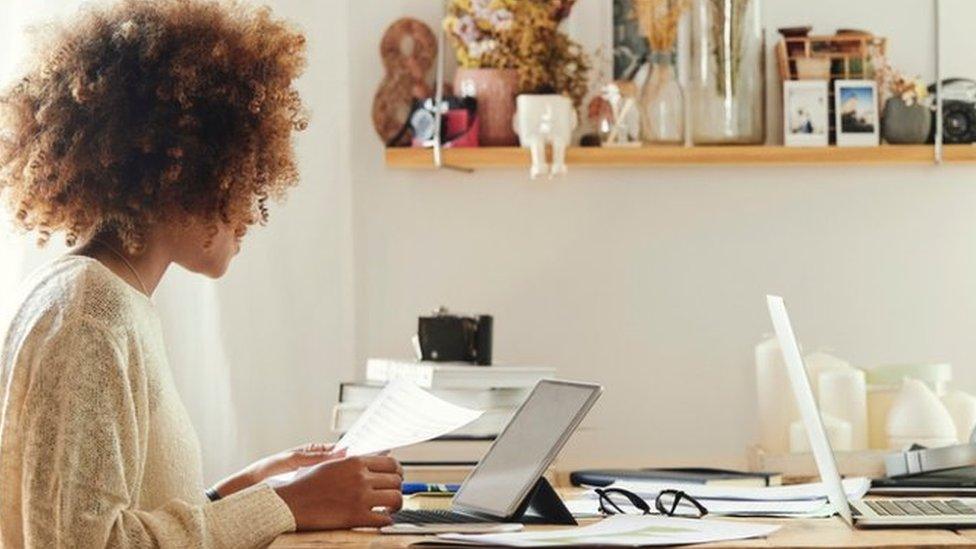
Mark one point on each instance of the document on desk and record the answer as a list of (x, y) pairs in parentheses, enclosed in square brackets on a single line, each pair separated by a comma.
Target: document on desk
[(855, 488), (797, 500), (588, 507), (401, 415), (621, 531)]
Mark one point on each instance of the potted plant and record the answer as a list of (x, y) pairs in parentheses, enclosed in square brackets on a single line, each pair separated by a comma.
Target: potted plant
[(507, 47), (907, 114)]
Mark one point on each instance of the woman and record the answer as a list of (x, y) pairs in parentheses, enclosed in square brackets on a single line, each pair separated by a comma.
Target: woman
[(150, 133)]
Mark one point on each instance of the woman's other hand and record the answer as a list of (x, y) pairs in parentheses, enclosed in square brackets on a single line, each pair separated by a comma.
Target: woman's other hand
[(283, 462), (345, 493)]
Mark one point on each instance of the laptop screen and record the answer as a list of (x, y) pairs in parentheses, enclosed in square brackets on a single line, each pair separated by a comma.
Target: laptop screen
[(812, 422), (527, 446)]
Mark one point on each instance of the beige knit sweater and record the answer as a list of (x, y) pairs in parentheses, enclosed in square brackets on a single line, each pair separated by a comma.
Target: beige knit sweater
[(96, 448)]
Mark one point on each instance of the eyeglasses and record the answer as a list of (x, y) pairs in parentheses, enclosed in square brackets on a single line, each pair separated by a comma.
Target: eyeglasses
[(671, 503)]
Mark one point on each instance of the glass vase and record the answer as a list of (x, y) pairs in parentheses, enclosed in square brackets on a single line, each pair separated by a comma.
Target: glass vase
[(662, 102), (726, 88)]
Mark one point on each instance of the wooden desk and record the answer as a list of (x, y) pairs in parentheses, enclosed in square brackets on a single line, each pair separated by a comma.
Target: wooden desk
[(805, 533), (793, 534)]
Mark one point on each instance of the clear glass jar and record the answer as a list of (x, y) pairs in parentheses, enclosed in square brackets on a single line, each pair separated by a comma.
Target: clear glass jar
[(726, 88), (662, 102)]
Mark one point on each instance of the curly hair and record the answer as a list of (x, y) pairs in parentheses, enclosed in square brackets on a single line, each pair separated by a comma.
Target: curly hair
[(145, 110)]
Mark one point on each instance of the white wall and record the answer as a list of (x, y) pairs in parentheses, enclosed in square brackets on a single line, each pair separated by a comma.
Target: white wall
[(287, 304), (258, 355), (651, 281)]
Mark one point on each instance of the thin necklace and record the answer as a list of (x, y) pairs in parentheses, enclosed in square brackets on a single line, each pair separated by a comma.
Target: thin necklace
[(127, 264)]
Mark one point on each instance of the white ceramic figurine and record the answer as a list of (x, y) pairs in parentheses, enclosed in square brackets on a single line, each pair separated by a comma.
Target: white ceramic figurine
[(541, 119)]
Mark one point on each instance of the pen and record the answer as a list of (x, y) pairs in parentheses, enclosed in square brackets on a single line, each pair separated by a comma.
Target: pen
[(425, 488)]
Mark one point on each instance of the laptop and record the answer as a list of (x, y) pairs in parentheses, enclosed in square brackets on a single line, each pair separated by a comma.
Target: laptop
[(500, 487), (921, 512)]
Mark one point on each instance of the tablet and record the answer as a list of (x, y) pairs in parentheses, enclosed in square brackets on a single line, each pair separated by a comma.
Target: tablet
[(526, 447)]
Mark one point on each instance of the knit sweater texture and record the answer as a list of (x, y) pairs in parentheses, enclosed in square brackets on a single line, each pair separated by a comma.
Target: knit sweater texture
[(96, 447)]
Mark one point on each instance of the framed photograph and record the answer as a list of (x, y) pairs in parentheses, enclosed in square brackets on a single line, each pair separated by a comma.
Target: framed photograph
[(806, 120), (856, 111), (630, 48)]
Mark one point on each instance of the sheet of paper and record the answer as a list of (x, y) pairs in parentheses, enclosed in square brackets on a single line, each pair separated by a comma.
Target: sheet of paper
[(854, 487), (401, 415), (625, 531), (590, 507)]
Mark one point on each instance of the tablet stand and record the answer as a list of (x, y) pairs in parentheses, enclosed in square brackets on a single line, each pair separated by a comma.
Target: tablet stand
[(543, 506)]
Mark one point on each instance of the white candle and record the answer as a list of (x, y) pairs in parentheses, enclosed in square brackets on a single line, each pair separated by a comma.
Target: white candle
[(818, 363), (777, 409), (843, 395), (838, 434)]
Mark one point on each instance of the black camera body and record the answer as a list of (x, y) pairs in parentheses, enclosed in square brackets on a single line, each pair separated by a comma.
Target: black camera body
[(958, 111), (446, 337)]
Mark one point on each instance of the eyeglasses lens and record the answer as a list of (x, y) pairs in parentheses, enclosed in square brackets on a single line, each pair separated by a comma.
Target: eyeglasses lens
[(677, 504), (615, 503)]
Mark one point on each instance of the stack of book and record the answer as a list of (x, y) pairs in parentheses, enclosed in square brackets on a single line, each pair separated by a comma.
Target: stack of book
[(498, 390)]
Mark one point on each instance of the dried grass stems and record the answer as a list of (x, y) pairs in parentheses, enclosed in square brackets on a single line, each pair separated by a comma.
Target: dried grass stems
[(727, 25), (658, 20)]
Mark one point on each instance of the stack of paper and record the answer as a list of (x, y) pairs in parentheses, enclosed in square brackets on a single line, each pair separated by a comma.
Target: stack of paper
[(589, 507), (798, 500), (455, 375), (620, 531)]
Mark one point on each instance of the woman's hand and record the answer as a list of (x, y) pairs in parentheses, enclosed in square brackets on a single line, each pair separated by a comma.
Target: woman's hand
[(282, 462), (344, 493)]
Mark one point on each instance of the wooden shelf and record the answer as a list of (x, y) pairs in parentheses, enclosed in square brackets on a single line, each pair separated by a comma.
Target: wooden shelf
[(595, 157)]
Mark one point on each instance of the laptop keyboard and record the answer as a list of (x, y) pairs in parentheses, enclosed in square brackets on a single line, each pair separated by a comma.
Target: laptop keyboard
[(433, 516), (919, 507)]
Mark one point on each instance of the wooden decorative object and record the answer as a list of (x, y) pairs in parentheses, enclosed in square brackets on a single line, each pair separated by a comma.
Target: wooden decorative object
[(408, 50), (848, 54)]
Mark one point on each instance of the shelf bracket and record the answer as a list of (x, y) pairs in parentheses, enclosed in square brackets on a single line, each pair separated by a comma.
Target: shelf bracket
[(438, 112), (938, 149)]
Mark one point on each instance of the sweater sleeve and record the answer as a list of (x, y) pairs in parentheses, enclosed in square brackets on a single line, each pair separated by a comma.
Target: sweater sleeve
[(84, 425)]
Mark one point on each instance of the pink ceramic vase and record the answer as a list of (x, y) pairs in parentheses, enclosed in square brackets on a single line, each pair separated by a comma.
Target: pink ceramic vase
[(495, 90)]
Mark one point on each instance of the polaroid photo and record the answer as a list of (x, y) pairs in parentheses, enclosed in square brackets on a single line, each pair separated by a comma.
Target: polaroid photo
[(806, 119), (856, 111)]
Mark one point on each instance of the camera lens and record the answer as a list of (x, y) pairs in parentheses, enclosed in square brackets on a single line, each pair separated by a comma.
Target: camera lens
[(959, 122), (422, 124)]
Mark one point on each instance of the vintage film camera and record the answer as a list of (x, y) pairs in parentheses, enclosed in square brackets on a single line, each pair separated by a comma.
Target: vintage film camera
[(446, 337), (958, 111), (459, 122)]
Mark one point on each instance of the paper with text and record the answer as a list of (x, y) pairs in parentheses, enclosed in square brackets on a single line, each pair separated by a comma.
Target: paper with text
[(623, 531), (401, 415)]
